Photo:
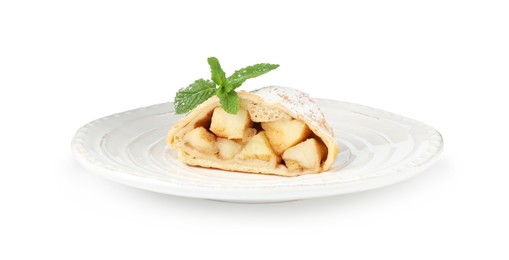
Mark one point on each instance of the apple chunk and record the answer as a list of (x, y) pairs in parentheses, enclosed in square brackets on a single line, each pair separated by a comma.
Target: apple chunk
[(228, 125), (306, 155), (248, 134), (201, 140), (228, 148), (259, 148), (284, 133)]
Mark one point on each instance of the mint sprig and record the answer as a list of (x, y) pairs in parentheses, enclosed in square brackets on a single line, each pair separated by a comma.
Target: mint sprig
[(199, 91)]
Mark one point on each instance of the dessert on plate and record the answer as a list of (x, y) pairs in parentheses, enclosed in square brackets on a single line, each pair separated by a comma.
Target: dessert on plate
[(272, 130)]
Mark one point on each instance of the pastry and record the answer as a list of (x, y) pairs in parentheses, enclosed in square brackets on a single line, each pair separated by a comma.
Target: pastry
[(276, 130)]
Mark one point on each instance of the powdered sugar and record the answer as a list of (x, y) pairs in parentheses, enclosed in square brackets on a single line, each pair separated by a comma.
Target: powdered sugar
[(296, 101)]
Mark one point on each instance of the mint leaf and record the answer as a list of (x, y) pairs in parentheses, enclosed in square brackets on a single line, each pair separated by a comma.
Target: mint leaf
[(218, 75), (230, 102), (191, 96), (238, 77)]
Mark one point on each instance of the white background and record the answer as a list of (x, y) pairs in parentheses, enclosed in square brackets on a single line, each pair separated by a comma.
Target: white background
[(65, 63)]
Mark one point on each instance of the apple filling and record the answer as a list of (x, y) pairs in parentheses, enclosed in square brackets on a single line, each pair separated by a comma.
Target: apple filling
[(284, 143)]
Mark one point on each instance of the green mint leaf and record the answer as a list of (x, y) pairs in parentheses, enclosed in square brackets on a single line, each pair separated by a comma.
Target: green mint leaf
[(238, 77), (218, 75), (230, 102), (191, 96)]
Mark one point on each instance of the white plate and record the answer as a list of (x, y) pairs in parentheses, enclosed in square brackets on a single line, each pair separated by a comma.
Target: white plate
[(376, 148)]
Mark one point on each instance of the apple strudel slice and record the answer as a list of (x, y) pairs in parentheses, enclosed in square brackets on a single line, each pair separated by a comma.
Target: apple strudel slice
[(277, 130)]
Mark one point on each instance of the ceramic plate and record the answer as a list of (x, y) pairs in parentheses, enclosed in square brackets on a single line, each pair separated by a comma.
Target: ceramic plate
[(376, 149)]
